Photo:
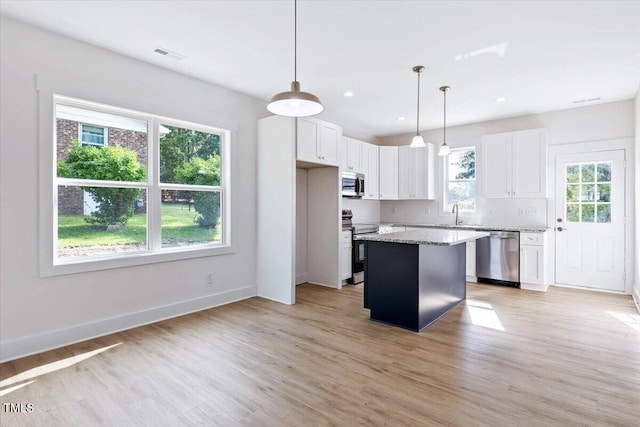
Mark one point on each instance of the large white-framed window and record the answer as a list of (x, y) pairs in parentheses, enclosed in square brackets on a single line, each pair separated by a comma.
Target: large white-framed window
[(460, 180), (157, 191)]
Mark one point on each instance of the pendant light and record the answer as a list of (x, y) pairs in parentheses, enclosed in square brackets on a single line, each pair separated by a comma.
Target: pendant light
[(417, 141), (295, 103), (444, 148)]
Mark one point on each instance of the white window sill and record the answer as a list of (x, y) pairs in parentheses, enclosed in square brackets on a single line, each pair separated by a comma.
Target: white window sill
[(83, 265)]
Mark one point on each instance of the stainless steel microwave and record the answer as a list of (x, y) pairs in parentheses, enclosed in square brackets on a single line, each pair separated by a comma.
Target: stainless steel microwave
[(352, 184)]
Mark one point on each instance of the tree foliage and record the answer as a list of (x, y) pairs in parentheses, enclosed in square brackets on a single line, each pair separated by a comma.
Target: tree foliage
[(467, 164), (112, 163), (183, 145), (201, 171)]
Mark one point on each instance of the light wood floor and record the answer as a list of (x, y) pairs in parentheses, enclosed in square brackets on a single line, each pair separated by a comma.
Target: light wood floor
[(564, 358)]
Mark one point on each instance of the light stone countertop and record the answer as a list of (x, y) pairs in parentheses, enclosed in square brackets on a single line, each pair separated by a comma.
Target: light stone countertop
[(520, 228), (426, 236)]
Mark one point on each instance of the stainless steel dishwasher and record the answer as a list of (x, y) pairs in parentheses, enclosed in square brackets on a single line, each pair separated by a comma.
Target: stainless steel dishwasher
[(498, 258)]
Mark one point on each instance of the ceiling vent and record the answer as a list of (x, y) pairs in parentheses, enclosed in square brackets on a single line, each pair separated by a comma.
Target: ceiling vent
[(582, 101), (166, 52)]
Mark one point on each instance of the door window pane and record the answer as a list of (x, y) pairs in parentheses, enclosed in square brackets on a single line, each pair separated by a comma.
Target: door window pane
[(587, 192), (573, 173), (572, 192), (604, 193), (573, 213), (588, 212), (604, 213), (604, 172), (588, 172)]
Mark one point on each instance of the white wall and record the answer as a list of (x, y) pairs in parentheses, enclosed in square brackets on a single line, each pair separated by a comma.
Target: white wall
[(40, 313), (301, 226), (599, 122), (636, 288)]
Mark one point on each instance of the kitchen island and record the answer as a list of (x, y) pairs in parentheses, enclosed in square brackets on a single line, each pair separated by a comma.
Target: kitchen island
[(414, 277)]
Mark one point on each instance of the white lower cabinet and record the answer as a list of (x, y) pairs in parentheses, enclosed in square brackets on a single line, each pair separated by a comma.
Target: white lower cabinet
[(345, 256), (532, 262), (471, 262)]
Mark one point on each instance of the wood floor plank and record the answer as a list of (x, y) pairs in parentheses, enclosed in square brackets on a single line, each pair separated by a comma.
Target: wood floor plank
[(503, 357)]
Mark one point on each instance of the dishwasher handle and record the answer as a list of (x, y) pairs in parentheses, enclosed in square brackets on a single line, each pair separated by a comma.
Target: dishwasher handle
[(504, 235)]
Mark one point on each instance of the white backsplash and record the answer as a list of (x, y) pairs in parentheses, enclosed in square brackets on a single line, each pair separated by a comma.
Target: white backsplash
[(363, 210), (507, 212)]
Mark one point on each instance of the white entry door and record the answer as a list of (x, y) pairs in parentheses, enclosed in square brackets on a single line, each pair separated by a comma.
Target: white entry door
[(590, 220)]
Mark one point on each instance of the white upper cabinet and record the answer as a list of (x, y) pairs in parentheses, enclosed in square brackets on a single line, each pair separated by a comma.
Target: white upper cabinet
[(515, 164), (370, 169), (318, 141), (388, 173), (351, 159), (416, 172)]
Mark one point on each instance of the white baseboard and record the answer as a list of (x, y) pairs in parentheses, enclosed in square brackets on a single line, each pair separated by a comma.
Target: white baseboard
[(533, 287), (636, 297), (21, 347), (301, 278), (325, 285), (473, 279)]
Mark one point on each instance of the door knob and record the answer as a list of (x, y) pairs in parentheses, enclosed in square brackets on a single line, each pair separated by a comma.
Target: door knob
[(560, 228), (559, 219)]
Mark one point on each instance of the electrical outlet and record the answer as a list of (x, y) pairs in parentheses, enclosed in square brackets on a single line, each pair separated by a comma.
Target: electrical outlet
[(532, 211), (490, 212), (209, 278), (427, 211), (521, 212), (393, 210)]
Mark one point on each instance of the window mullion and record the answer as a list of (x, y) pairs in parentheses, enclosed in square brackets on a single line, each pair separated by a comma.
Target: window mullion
[(154, 236)]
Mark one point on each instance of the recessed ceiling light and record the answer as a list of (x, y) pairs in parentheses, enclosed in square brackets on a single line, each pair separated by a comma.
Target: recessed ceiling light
[(400, 118), (501, 99), (348, 94)]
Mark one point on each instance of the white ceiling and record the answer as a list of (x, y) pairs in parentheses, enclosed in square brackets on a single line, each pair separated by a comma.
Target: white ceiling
[(541, 55)]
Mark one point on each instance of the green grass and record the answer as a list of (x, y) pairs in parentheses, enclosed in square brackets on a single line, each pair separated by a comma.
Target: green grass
[(178, 227)]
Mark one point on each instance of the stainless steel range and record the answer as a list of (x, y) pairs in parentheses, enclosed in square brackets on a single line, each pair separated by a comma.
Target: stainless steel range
[(358, 250)]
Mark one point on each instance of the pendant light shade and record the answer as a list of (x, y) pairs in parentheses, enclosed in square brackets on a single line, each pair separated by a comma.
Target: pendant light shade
[(295, 103), (417, 141), (444, 148)]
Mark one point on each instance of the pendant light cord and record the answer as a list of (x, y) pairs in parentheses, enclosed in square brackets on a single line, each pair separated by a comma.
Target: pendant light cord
[(418, 110), (444, 129)]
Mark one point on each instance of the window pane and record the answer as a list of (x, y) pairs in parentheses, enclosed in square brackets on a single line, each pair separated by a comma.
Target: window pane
[(190, 218), (588, 174), (573, 213), (604, 213), (572, 192), (462, 193), (573, 173), (588, 212), (100, 220), (604, 172), (189, 156), (462, 164), (587, 193), (604, 192), (92, 134), (122, 158)]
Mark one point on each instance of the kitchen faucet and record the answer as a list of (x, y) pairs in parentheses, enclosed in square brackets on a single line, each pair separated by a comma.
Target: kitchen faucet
[(455, 210)]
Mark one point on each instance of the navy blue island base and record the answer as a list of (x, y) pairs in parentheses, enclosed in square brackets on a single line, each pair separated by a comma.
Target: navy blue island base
[(413, 285)]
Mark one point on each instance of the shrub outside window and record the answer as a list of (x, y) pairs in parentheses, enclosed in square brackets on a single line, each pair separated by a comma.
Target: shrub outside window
[(460, 180), (158, 185)]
